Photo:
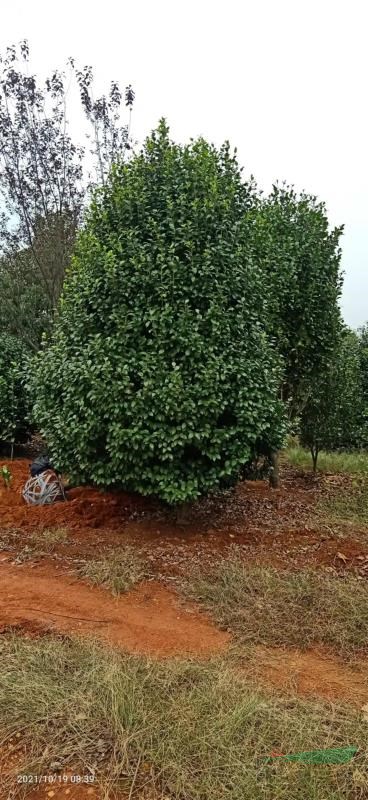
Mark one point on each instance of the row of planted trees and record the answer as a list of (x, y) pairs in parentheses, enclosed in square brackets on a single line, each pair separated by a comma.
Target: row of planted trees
[(197, 317)]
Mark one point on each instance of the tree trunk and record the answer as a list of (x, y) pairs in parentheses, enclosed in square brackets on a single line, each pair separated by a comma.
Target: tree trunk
[(183, 513), (274, 474), (314, 452)]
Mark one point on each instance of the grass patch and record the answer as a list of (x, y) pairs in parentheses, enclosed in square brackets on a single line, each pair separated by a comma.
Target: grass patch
[(350, 505), (118, 571), (39, 543), (354, 463), (184, 730), (265, 606), (47, 538)]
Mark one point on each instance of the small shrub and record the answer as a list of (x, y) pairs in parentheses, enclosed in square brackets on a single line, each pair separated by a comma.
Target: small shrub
[(6, 476)]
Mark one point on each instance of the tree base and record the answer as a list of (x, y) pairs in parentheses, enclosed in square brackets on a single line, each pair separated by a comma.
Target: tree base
[(274, 479)]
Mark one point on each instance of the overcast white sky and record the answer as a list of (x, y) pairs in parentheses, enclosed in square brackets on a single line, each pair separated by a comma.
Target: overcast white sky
[(284, 80)]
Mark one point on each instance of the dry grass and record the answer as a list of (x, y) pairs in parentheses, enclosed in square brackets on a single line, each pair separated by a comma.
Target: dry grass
[(118, 571), (47, 538), (265, 606), (41, 542), (189, 731), (349, 505)]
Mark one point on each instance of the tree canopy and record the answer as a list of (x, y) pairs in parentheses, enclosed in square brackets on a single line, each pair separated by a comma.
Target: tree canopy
[(159, 375), (14, 408)]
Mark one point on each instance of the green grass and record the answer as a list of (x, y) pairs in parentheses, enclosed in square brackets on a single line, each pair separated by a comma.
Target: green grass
[(265, 606), (184, 730), (350, 463), (118, 571)]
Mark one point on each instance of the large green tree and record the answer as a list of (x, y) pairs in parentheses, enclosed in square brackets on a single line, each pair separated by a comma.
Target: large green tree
[(159, 375), (363, 358)]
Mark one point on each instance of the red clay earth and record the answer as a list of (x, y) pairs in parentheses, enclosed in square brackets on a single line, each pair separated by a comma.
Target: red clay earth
[(65, 784), (86, 507), (261, 524), (147, 620), (313, 673)]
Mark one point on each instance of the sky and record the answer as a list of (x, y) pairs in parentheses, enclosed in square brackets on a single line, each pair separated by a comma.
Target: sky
[(285, 81)]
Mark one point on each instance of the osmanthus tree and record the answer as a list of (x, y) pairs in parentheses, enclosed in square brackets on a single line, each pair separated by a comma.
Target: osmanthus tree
[(300, 257), (159, 376), (334, 416)]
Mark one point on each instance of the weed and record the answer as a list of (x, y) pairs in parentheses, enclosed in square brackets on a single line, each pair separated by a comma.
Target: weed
[(6, 476), (350, 505), (118, 571)]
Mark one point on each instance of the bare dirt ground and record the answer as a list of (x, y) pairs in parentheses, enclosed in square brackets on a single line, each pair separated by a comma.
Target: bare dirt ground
[(148, 620), (313, 673), (39, 592), (269, 526)]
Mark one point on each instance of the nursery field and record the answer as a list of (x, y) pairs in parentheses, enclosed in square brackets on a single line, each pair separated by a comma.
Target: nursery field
[(170, 327), (141, 658)]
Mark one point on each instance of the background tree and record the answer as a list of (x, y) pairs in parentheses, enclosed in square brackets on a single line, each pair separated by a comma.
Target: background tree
[(110, 139), (158, 376), (363, 358), (333, 417), (300, 256), (13, 395), (43, 184)]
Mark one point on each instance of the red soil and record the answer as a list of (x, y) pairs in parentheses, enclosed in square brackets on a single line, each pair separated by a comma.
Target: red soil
[(147, 620), (263, 525), (312, 674), (67, 791), (86, 507), (53, 785)]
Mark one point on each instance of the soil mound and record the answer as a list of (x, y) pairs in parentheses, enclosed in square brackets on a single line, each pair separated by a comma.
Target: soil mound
[(85, 506)]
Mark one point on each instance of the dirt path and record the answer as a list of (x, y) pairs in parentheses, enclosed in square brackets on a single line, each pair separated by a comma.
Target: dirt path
[(311, 673), (147, 620)]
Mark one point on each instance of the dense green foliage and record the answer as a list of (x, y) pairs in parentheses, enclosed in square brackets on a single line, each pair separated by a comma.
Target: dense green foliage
[(301, 258), (13, 396), (24, 311), (363, 359), (159, 376), (334, 415)]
